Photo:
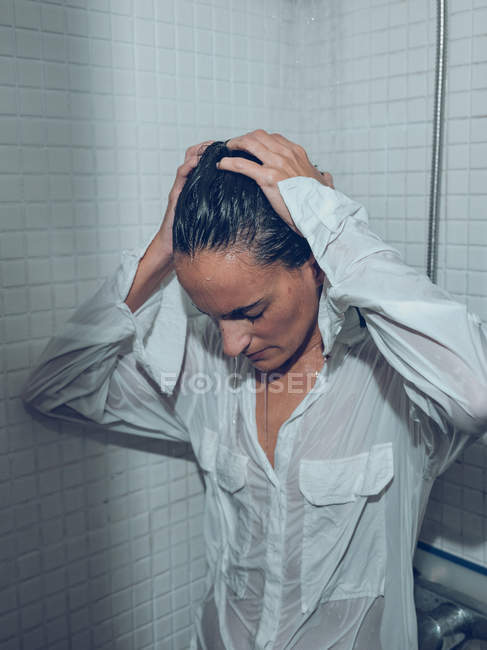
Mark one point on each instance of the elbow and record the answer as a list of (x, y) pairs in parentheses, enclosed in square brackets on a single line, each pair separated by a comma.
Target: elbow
[(35, 395), (27, 394), (478, 408), (32, 401), (470, 414)]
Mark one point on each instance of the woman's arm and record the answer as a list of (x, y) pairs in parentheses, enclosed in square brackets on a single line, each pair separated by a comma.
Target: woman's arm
[(111, 362), (157, 260), (98, 369), (431, 340), (438, 347)]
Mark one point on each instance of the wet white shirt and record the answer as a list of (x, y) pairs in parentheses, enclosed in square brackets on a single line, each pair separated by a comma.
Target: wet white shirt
[(317, 551)]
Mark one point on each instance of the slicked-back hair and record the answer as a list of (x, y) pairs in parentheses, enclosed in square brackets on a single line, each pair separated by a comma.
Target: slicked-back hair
[(218, 210)]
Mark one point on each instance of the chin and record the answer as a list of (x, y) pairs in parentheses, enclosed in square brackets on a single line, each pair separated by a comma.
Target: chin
[(261, 365), (276, 364)]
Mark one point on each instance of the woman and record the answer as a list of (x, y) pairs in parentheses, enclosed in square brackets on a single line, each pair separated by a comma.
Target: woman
[(325, 389)]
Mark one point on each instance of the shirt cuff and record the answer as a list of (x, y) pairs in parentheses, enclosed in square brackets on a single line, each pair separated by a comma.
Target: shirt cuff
[(319, 212)]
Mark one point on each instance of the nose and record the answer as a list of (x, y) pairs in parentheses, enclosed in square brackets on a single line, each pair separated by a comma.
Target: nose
[(235, 337)]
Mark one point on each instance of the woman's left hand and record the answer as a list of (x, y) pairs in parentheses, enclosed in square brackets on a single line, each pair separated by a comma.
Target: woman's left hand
[(280, 158)]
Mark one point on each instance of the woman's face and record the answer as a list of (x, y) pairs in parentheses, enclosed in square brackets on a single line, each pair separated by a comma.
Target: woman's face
[(267, 313)]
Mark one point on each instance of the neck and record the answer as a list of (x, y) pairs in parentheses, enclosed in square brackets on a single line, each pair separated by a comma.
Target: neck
[(307, 359), (281, 390)]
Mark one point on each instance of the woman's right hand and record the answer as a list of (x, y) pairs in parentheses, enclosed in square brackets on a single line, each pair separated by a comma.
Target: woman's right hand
[(191, 159), (280, 159), (157, 261)]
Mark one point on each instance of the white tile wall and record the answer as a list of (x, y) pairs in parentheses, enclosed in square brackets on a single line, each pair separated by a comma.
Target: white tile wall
[(100, 540), (100, 543), (366, 79)]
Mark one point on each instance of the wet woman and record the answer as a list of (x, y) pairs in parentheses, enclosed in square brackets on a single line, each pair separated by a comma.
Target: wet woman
[(324, 387)]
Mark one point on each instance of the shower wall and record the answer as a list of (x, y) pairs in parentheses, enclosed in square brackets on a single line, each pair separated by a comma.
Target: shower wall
[(100, 540), (366, 87), (100, 535)]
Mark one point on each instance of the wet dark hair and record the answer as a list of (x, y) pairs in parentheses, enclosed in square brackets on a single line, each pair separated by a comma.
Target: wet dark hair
[(218, 209)]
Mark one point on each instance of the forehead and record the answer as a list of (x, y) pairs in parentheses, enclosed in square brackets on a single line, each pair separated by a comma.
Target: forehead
[(211, 265), (225, 280)]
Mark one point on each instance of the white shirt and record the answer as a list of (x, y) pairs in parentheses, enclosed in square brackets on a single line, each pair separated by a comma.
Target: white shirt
[(315, 553)]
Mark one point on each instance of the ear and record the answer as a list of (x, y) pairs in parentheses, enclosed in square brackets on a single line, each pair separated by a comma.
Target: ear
[(318, 273)]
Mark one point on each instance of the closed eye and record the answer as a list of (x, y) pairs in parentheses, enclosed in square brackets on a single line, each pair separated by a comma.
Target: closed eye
[(235, 315), (254, 318)]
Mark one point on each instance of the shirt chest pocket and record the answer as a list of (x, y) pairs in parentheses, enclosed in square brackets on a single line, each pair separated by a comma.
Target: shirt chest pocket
[(344, 548), (231, 479), (234, 504), (227, 515)]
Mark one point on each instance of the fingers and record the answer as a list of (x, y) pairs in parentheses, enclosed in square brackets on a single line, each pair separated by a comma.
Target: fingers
[(191, 160), (328, 179), (251, 143), (197, 149), (242, 166), (272, 141), (187, 166), (280, 157), (277, 156), (259, 143), (274, 150), (192, 157), (284, 142), (280, 138)]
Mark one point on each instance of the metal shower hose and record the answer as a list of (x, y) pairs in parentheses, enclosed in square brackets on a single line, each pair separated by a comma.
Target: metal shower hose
[(432, 254)]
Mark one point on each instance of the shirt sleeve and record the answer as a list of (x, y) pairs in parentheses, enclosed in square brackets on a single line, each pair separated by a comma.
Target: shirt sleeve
[(118, 369), (437, 346)]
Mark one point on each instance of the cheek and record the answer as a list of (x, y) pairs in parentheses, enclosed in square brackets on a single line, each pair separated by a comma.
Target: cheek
[(291, 321), (273, 327), (304, 308), (286, 322)]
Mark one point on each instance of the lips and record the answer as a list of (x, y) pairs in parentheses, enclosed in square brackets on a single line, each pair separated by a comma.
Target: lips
[(254, 355)]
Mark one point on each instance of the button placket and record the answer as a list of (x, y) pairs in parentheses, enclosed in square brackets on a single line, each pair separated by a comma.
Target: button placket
[(274, 558)]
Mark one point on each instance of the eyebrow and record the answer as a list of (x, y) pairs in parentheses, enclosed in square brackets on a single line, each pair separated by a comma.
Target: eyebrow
[(238, 311)]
